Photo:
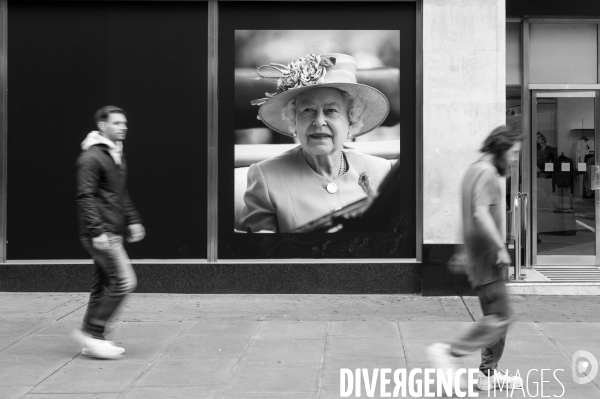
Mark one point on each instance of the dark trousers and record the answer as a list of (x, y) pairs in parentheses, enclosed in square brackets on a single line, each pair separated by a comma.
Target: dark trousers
[(113, 279), (489, 334)]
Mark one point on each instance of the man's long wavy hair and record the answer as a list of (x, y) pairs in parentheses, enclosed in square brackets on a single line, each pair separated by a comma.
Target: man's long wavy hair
[(499, 141)]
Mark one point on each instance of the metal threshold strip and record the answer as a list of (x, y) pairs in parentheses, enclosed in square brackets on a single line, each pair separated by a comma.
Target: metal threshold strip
[(554, 288), (570, 273)]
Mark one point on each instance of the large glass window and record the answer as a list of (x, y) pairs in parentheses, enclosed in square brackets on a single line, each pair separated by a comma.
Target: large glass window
[(513, 54), (67, 59), (292, 218), (563, 53)]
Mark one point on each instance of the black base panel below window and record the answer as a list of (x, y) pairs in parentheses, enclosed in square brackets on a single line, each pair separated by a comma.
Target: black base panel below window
[(374, 278), (437, 280)]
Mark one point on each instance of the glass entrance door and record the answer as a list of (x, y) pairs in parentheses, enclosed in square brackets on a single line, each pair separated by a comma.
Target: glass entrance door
[(564, 206)]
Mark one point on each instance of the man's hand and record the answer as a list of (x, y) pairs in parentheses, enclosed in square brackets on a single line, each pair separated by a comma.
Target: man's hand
[(136, 232), (101, 242), (503, 258)]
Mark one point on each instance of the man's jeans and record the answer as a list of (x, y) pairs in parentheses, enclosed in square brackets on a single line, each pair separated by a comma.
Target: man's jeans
[(489, 334), (113, 279)]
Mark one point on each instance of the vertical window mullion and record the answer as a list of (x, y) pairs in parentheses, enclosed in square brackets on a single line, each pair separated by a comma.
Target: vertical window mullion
[(212, 158)]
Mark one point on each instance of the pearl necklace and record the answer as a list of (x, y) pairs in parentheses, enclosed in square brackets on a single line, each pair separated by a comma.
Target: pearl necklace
[(343, 166), (332, 187)]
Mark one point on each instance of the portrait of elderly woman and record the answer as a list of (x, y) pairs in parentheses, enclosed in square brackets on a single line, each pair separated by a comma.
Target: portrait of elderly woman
[(319, 102)]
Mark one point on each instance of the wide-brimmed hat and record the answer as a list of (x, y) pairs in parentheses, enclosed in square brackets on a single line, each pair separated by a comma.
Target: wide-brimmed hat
[(313, 72)]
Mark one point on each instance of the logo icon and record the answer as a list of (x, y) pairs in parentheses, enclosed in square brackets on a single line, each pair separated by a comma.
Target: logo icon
[(584, 367)]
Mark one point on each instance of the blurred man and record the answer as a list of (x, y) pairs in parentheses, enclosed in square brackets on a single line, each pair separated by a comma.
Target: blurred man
[(486, 262), (106, 216)]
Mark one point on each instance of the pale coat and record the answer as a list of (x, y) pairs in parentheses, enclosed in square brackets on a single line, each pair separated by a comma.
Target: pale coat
[(284, 193)]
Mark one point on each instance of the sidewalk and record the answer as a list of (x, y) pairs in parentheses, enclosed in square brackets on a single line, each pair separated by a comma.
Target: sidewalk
[(273, 346)]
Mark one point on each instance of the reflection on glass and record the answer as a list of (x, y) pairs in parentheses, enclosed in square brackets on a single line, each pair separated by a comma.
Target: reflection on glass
[(545, 155), (565, 148)]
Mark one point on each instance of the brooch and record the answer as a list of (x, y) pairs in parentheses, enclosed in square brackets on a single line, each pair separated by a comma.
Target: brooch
[(363, 181)]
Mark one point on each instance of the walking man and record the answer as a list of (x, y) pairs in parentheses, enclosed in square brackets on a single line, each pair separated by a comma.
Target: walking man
[(106, 217), (486, 261)]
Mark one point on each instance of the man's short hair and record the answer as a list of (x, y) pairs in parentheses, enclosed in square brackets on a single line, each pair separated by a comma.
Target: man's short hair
[(501, 139), (102, 114)]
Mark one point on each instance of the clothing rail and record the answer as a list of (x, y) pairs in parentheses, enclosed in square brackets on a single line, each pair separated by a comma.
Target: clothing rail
[(521, 224)]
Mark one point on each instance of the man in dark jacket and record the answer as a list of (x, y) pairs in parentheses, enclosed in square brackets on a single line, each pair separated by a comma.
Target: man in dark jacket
[(106, 216)]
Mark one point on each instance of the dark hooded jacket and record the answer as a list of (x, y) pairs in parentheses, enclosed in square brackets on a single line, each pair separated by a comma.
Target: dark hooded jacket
[(102, 199)]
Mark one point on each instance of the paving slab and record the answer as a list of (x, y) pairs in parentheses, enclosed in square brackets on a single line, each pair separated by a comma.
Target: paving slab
[(569, 346), (207, 347), (266, 395), (75, 315), (28, 372), (58, 328), (330, 374), (363, 328), (172, 393), (381, 347), (4, 343), (570, 392), (42, 347), (589, 331), (284, 351), (274, 378), (578, 392), (333, 392), (146, 330), (548, 308), (433, 331), (100, 395), (269, 346), (244, 328), (101, 376), (522, 329), (13, 392), (187, 372), (39, 302), (291, 330), (528, 346), (18, 328)]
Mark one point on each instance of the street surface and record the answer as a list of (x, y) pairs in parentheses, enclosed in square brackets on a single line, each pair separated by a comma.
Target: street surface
[(275, 346)]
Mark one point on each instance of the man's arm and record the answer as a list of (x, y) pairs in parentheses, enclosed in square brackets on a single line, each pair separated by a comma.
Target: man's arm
[(490, 233), (131, 214), (133, 220), (88, 176)]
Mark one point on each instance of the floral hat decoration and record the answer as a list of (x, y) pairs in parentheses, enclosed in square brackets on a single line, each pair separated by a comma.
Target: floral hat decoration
[(316, 71)]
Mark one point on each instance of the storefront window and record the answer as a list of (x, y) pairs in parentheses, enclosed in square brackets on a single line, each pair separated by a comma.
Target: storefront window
[(67, 59), (563, 53), (513, 54), (152, 59), (281, 208)]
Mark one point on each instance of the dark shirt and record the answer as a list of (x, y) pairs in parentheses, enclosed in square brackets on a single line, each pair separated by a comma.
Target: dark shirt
[(560, 178), (544, 156)]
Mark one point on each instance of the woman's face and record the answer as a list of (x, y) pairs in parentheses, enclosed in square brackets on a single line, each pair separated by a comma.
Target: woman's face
[(540, 139), (322, 122)]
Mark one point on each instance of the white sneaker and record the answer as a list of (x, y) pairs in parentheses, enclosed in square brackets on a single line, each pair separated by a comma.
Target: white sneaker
[(500, 379), (87, 352), (98, 348), (439, 354)]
